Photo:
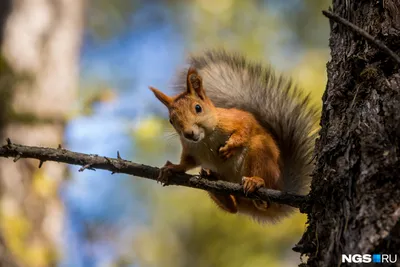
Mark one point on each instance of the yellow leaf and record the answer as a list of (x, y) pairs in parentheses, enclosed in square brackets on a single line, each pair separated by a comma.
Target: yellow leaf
[(148, 129), (43, 185)]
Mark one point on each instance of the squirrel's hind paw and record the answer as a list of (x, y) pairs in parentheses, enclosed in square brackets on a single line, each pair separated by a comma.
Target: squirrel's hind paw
[(261, 204), (209, 175)]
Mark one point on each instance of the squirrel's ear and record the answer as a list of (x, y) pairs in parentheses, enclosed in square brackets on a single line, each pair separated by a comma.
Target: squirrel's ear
[(194, 83), (166, 100)]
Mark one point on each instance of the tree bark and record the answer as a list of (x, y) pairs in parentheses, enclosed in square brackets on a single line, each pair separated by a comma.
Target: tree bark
[(355, 192), (40, 48)]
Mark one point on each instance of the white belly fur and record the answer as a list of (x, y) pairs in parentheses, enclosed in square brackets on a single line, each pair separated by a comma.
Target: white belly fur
[(206, 153)]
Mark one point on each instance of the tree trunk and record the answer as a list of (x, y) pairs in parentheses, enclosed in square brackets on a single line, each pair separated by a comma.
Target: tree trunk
[(38, 82), (355, 207)]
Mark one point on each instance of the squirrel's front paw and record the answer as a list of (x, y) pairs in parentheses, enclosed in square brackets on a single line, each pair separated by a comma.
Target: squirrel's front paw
[(251, 184), (166, 172), (226, 151)]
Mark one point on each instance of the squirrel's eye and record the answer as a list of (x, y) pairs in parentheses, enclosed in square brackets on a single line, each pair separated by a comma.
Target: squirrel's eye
[(198, 108)]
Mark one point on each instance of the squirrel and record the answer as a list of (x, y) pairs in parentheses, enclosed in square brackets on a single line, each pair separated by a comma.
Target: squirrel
[(241, 123)]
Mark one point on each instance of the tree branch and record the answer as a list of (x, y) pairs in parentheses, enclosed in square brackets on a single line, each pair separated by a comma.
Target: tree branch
[(118, 165), (363, 33)]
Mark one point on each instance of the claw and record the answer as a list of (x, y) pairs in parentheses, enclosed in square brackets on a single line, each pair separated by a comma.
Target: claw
[(205, 173), (168, 163), (208, 174), (251, 184), (167, 171), (226, 151), (163, 177)]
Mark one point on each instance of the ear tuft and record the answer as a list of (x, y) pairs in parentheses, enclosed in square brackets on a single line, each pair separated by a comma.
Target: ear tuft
[(166, 100), (195, 83)]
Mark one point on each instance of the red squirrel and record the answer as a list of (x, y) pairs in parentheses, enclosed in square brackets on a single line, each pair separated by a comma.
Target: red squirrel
[(241, 124)]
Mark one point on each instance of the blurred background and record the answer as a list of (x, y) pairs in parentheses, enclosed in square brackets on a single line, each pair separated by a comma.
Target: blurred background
[(77, 73)]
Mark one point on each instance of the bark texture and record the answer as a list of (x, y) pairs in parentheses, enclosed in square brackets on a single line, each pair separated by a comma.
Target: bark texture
[(39, 52), (355, 192)]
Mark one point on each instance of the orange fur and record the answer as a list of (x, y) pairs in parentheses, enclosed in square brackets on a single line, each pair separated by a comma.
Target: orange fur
[(229, 142), (225, 202)]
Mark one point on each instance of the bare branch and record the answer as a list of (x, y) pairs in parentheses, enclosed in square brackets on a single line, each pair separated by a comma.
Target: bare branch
[(92, 162), (363, 33)]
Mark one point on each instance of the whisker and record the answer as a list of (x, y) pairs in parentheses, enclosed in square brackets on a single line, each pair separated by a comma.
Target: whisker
[(169, 138), (171, 135)]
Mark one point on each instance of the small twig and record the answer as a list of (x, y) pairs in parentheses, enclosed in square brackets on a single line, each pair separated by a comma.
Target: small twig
[(118, 155), (40, 164), (9, 143), (17, 157), (87, 166), (94, 162), (363, 33)]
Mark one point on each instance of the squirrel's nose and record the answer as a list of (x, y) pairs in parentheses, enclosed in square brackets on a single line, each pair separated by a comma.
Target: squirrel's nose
[(188, 135)]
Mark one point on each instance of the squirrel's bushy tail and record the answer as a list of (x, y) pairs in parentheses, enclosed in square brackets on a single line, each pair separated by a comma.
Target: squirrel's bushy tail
[(231, 81)]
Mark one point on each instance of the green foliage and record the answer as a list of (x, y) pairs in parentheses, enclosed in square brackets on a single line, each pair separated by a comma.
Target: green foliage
[(306, 22), (310, 73), (189, 230), (257, 26), (153, 138), (92, 94), (106, 19), (232, 24)]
